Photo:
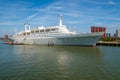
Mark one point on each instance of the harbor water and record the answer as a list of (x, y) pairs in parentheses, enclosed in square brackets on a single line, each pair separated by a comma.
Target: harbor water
[(34, 62)]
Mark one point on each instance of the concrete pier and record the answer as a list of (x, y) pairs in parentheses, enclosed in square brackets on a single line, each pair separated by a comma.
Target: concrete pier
[(108, 43)]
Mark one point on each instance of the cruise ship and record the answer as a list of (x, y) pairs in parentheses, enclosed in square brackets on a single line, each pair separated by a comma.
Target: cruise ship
[(55, 35)]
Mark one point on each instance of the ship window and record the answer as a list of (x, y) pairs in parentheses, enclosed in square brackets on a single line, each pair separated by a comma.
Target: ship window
[(32, 31), (37, 31), (41, 30), (28, 33), (47, 30), (53, 29), (23, 33)]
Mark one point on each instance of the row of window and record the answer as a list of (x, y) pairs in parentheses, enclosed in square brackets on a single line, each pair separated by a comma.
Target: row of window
[(46, 30)]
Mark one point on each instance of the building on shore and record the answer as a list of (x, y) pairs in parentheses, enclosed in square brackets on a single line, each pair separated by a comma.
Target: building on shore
[(4, 38), (99, 29), (108, 35), (117, 34), (1, 38)]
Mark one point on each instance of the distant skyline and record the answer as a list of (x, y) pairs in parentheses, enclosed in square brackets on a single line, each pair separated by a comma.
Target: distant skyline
[(79, 13)]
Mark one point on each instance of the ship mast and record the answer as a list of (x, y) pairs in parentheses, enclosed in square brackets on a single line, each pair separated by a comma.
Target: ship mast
[(60, 24)]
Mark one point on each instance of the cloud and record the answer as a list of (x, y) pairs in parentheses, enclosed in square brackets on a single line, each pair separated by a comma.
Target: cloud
[(110, 18), (111, 2), (52, 7), (10, 23), (33, 15), (58, 7)]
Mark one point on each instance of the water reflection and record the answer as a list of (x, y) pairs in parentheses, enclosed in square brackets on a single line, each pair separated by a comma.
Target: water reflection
[(34, 62), (58, 59)]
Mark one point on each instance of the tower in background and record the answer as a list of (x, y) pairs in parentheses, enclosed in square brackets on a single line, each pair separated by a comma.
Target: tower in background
[(117, 33)]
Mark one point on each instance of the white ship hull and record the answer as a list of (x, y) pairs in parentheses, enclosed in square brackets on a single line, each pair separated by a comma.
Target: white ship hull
[(77, 40)]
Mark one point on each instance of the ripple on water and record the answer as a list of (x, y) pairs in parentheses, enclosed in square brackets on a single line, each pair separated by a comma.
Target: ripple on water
[(59, 63)]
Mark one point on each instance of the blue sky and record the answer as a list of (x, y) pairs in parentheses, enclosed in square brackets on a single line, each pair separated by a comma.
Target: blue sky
[(79, 13)]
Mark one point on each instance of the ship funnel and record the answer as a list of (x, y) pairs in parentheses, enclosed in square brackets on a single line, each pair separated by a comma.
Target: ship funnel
[(60, 24), (27, 27)]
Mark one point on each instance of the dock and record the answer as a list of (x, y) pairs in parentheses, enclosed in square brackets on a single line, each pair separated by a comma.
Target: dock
[(108, 43), (12, 43), (100, 43)]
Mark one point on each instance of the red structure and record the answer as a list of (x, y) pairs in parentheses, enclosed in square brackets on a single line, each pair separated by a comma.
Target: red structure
[(99, 29)]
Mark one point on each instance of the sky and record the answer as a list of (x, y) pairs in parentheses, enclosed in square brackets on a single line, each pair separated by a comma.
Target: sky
[(79, 15)]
